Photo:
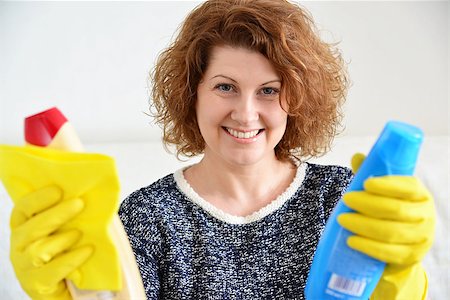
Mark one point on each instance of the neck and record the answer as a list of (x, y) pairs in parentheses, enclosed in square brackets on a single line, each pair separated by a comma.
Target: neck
[(240, 189)]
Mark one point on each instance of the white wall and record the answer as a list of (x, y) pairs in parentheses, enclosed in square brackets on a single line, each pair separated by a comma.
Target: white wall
[(91, 59)]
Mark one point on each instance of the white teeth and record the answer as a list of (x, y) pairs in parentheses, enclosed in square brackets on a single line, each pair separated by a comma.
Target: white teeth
[(242, 135)]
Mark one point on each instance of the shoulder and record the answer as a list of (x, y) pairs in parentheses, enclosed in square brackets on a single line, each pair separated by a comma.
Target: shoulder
[(152, 196), (325, 185), (331, 179), (146, 206), (144, 212), (331, 172)]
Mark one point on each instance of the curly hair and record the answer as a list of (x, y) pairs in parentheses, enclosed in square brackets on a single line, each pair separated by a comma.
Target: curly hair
[(313, 73)]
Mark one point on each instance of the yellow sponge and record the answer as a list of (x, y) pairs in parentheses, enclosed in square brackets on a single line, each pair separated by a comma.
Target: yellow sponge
[(91, 177)]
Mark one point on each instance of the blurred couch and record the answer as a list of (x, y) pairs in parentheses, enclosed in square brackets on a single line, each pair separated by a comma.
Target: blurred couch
[(140, 164)]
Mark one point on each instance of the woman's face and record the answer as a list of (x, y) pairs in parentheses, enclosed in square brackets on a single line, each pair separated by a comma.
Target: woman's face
[(238, 107)]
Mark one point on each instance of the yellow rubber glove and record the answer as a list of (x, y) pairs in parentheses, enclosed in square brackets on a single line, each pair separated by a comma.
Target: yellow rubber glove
[(41, 256), (90, 178), (394, 222)]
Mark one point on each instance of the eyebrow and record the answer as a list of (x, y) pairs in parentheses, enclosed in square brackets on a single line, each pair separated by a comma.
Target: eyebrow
[(227, 77)]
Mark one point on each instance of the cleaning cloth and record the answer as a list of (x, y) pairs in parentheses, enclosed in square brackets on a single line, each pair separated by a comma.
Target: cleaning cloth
[(90, 177)]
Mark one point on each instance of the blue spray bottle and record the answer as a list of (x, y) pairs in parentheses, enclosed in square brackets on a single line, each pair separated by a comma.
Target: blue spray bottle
[(337, 271)]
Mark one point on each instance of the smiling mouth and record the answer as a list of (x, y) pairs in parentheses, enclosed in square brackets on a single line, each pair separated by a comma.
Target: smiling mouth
[(242, 134)]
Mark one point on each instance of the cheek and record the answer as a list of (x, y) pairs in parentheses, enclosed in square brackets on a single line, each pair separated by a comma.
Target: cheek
[(209, 116), (282, 123), (277, 117), (212, 109)]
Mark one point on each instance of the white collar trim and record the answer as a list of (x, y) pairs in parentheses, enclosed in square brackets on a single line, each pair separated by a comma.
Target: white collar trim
[(186, 188)]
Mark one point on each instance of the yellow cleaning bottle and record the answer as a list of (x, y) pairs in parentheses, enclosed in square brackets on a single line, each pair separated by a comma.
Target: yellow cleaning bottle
[(51, 129)]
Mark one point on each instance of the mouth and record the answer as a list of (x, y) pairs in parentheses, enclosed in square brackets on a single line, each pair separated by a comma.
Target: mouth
[(243, 134)]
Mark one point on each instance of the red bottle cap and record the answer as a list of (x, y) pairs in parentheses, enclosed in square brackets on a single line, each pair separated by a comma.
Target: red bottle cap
[(42, 127)]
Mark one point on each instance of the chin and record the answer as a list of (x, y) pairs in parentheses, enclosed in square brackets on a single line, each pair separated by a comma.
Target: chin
[(246, 159)]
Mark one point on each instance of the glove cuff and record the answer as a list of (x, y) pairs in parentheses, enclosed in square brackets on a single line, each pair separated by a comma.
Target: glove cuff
[(402, 282)]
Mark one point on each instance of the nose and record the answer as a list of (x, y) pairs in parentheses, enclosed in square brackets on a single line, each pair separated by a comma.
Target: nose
[(245, 110)]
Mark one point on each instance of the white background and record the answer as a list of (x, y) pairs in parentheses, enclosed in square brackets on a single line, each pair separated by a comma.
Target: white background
[(92, 59)]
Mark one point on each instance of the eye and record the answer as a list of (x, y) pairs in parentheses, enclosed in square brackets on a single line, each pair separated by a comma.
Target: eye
[(268, 91), (224, 87)]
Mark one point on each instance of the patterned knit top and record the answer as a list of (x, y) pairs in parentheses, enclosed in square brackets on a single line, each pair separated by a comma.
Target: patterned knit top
[(188, 249)]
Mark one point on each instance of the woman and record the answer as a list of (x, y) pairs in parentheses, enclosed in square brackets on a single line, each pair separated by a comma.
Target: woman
[(251, 87)]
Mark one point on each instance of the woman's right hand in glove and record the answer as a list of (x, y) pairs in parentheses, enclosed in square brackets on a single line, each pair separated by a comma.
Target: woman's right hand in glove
[(41, 255)]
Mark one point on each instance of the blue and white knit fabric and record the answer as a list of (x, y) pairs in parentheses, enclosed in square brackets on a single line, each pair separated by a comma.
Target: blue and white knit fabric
[(188, 249)]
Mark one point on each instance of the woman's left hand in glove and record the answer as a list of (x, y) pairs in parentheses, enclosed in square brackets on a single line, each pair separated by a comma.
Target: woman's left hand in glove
[(394, 222)]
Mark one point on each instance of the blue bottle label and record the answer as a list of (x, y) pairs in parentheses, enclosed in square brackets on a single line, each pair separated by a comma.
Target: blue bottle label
[(343, 277)]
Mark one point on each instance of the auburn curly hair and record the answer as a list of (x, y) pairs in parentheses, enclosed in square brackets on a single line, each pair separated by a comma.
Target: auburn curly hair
[(313, 73)]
